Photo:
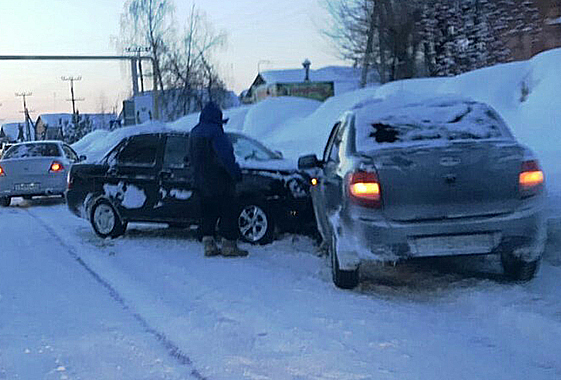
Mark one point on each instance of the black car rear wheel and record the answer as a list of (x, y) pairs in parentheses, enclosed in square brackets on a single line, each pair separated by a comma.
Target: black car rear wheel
[(105, 220), (344, 279), (517, 269), (5, 201), (255, 223)]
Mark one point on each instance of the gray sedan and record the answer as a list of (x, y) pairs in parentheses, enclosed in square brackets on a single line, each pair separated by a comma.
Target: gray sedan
[(35, 168), (438, 177)]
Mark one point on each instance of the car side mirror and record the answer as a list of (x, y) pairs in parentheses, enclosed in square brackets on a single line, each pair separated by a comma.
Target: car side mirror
[(309, 162), (279, 153), (82, 158)]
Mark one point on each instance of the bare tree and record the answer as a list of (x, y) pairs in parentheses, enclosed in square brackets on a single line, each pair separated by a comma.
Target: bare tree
[(149, 23), (189, 64), (183, 60), (379, 34)]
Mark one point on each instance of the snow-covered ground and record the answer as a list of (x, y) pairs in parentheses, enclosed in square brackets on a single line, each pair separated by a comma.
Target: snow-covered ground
[(149, 305)]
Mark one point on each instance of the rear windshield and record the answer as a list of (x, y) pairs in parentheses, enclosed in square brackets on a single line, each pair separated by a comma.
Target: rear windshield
[(428, 121), (33, 150)]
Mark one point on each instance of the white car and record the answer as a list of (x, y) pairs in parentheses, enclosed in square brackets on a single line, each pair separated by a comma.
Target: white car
[(35, 168)]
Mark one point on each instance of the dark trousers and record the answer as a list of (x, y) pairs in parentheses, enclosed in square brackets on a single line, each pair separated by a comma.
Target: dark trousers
[(225, 208)]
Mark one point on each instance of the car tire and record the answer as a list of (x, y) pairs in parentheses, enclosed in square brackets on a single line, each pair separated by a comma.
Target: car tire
[(5, 201), (255, 223), (105, 220), (343, 279), (517, 269)]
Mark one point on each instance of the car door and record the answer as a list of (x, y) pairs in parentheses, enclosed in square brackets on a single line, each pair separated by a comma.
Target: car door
[(178, 200), (131, 179), (329, 185)]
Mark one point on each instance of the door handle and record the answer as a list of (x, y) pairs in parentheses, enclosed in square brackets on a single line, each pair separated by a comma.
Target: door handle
[(166, 174)]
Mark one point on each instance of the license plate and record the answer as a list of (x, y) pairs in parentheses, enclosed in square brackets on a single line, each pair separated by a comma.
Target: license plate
[(454, 244), (26, 186)]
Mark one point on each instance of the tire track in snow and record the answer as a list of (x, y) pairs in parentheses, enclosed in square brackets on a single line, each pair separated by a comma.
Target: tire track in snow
[(173, 350)]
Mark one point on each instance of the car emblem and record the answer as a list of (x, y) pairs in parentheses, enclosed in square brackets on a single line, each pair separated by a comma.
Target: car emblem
[(450, 179), (450, 161)]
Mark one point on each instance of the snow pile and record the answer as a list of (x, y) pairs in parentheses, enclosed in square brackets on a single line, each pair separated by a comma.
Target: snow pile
[(273, 115)]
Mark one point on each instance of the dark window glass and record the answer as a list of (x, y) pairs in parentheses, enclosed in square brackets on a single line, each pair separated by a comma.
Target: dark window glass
[(332, 149), (175, 155), (140, 150), (70, 154), (33, 150)]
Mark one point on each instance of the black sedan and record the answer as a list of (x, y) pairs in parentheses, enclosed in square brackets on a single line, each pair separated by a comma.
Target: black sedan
[(146, 177)]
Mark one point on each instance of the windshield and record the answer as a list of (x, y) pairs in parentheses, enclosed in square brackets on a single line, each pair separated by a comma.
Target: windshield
[(32, 150), (247, 149)]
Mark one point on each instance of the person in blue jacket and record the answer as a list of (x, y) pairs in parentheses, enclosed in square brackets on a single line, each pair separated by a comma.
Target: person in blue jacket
[(216, 173)]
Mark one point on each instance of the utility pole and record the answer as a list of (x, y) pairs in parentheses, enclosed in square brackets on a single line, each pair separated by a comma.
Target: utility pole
[(25, 111), (73, 99), (138, 50)]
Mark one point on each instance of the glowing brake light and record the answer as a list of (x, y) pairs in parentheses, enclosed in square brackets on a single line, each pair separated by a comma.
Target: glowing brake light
[(2, 172), (364, 189), (531, 178), (56, 167)]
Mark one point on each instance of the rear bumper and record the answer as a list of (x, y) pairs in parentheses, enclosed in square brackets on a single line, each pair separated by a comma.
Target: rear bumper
[(54, 184), (372, 237), (75, 202)]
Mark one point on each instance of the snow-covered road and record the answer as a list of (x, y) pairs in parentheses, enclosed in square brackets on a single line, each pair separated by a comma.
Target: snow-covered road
[(149, 306)]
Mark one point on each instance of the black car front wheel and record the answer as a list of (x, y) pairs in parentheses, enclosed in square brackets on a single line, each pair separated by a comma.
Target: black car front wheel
[(255, 223), (105, 220), (5, 201)]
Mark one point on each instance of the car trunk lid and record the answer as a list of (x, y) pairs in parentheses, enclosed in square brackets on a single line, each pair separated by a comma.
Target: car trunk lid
[(28, 168), (452, 180)]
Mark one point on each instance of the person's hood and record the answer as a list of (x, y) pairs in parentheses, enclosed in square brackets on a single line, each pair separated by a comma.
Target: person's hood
[(212, 113)]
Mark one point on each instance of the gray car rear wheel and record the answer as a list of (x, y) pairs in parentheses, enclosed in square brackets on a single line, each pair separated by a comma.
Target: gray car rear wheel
[(344, 279), (105, 220)]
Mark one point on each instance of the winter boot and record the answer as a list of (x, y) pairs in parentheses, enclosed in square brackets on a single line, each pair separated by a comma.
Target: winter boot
[(211, 249), (230, 249)]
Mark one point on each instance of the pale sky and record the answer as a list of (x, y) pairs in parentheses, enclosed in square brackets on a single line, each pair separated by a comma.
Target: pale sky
[(271, 33)]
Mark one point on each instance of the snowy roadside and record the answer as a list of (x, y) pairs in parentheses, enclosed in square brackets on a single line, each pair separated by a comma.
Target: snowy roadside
[(276, 314)]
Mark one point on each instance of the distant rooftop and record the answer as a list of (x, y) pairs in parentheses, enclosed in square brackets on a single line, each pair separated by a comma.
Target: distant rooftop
[(326, 74)]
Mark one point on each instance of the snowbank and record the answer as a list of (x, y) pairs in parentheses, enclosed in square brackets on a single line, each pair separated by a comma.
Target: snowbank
[(524, 93)]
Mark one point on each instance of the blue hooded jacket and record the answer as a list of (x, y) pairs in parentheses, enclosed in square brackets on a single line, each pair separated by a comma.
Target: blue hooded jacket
[(211, 154)]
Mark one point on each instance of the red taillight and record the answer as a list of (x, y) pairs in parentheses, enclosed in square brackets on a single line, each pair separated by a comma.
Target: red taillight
[(2, 172), (531, 178), (56, 167), (364, 189)]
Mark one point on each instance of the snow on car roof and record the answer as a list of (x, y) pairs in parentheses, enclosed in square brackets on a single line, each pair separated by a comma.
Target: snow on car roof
[(395, 121)]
